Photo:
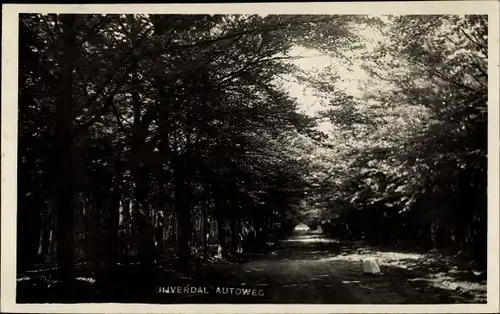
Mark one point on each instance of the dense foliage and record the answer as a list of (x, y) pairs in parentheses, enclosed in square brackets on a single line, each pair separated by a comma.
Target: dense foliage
[(139, 134), (411, 150), (153, 138)]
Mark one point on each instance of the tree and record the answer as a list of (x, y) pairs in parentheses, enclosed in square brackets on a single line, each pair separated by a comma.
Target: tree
[(157, 122), (417, 173)]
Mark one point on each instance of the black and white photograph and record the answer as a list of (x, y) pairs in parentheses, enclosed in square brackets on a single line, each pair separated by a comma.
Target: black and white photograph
[(250, 158)]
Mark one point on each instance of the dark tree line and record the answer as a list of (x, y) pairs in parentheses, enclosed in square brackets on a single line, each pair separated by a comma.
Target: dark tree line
[(156, 138), (144, 138)]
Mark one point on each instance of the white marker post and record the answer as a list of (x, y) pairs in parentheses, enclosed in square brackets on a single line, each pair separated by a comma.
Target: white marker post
[(371, 266)]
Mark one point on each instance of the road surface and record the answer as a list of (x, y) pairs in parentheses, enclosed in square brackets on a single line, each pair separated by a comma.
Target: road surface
[(309, 268), (306, 268)]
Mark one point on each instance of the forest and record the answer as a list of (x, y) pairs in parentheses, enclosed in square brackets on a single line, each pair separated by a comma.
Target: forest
[(153, 140)]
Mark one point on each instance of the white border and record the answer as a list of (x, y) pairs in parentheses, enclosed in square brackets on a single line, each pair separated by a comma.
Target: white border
[(9, 149)]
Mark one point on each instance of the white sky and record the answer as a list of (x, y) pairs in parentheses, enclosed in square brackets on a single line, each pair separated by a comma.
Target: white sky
[(350, 74)]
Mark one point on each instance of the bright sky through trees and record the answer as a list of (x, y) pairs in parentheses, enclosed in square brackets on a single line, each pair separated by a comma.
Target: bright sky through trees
[(165, 140), (350, 73)]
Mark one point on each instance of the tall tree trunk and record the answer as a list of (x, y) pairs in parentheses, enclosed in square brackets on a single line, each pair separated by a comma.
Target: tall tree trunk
[(167, 226), (113, 236), (161, 221), (95, 214), (175, 228), (182, 205), (46, 229), (63, 170), (142, 210), (145, 233), (123, 227), (221, 233), (159, 231), (234, 235), (206, 230)]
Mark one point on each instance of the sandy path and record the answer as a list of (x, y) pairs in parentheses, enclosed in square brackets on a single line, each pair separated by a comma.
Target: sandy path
[(309, 268)]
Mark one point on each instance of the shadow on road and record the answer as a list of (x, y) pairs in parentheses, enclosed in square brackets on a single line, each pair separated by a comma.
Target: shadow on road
[(306, 268)]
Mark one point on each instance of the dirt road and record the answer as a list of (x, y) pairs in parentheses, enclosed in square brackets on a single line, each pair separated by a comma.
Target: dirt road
[(308, 268)]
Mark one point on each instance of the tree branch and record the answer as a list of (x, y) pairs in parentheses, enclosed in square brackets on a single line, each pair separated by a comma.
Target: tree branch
[(483, 48), (233, 35), (92, 31)]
